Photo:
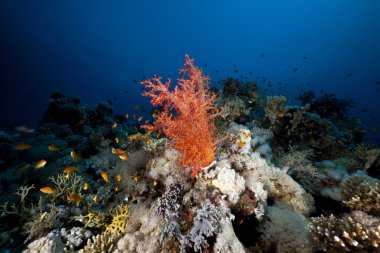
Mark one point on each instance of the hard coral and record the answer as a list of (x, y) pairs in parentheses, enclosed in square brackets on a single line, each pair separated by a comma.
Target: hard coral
[(187, 115)]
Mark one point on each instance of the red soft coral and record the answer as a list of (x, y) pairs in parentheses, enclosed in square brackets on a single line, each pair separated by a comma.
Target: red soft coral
[(187, 115)]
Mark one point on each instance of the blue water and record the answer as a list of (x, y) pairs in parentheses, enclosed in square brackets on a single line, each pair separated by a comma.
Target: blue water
[(98, 49)]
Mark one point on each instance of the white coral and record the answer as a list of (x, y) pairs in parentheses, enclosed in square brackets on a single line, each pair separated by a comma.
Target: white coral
[(228, 181)]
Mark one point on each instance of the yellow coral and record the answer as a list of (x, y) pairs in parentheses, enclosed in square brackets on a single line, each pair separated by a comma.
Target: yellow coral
[(119, 221)]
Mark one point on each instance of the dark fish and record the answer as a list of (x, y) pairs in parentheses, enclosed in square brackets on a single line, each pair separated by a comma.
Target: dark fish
[(304, 57), (295, 69), (236, 71), (250, 72), (234, 65), (206, 65), (262, 54), (349, 74), (135, 81), (126, 91), (216, 71), (378, 82)]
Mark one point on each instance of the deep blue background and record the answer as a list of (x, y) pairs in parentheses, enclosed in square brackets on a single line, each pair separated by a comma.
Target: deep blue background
[(94, 49)]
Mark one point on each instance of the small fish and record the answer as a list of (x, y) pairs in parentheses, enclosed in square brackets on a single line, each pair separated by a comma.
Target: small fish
[(104, 176), (349, 74), (154, 115), (118, 177), (135, 136), (81, 122), (85, 186), (374, 129), (123, 157), (22, 167), (358, 121), (23, 146), (114, 125), (135, 178), (140, 118), (70, 169), (126, 91), (116, 188), (295, 69), (74, 198), (255, 94), (53, 148), (147, 121), (378, 83), (24, 129), (137, 107), (96, 198), (117, 140), (127, 115), (74, 155), (155, 183), (262, 54), (117, 151), (134, 116), (40, 164), (47, 190)]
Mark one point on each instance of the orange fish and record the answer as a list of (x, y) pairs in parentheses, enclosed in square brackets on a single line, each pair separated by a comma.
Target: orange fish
[(74, 198), (104, 176), (53, 148), (23, 146), (117, 151), (155, 183), (134, 116), (40, 164), (117, 140), (118, 177), (137, 107), (116, 188), (114, 125), (69, 169), (127, 115), (135, 136), (81, 122), (123, 157), (74, 155), (47, 190), (135, 178), (85, 186), (22, 167), (96, 198)]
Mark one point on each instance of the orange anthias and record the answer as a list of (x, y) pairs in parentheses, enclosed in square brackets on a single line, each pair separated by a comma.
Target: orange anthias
[(187, 115)]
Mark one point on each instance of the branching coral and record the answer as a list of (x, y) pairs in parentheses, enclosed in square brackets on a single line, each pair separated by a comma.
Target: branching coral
[(187, 115), (119, 220), (362, 193), (355, 232), (66, 185)]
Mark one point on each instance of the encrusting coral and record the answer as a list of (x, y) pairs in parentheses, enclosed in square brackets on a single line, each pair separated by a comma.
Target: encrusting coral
[(187, 115)]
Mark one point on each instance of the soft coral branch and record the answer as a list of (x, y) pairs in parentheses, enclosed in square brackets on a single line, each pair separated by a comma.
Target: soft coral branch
[(187, 115)]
